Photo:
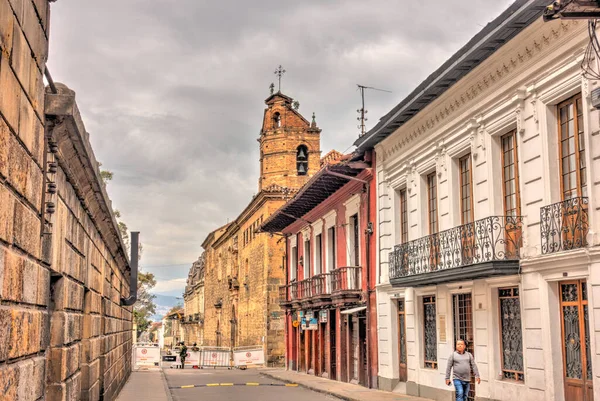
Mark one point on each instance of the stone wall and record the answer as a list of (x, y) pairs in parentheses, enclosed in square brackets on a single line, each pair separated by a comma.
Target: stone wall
[(63, 269)]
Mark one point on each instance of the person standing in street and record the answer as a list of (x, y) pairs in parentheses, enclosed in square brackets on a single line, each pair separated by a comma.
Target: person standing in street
[(183, 354), (461, 362)]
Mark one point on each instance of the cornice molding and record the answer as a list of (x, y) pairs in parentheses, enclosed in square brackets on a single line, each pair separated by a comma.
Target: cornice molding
[(493, 76)]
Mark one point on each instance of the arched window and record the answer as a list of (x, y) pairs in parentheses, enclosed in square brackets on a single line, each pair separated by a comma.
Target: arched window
[(276, 120), (302, 160)]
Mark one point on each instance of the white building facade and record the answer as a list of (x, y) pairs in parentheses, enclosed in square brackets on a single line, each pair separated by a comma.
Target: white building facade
[(488, 200)]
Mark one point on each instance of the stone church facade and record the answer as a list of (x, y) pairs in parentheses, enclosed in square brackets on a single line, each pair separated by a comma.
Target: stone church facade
[(243, 267)]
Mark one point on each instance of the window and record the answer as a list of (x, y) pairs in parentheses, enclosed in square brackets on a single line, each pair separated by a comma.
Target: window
[(354, 241), (510, 175), (403, 217), (331, 249), (318, 254), (466, 190), (430, 332), (307, 258), (294, 264), (302, 160), (572, 148), (432, 203), (276, 120), (511, 338)]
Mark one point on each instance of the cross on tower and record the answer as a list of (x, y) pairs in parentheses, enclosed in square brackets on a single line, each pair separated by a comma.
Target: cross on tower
[(279, 72)]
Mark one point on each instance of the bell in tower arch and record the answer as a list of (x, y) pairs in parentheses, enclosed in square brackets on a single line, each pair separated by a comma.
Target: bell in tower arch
[(301, 153), (301, 168)]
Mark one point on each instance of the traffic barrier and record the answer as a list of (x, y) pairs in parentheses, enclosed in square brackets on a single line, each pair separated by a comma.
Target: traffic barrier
[(216, 357), (170, 361), (244, 357), (146, 355), (193, 359)]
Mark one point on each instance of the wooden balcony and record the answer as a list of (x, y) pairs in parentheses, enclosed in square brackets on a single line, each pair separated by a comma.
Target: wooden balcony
[(343, 283)]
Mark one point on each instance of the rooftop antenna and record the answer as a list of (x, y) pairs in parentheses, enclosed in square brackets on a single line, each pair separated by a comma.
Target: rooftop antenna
[(361, 112)]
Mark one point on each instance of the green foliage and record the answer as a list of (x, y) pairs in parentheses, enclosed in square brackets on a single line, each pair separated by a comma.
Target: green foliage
[(145, 307)]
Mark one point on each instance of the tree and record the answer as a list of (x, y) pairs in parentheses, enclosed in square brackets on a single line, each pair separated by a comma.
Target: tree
[(106, 175), (145, 307)]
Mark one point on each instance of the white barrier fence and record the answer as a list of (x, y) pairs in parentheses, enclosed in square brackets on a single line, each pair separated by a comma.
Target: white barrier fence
[(244, 357), (146, 355), (193, 358), (215, 357)]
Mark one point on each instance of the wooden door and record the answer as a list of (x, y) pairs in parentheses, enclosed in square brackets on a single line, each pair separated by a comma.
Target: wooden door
[(577, 362), (511, 193), (403, 370), (467, 232), (332, 345), (463, 327), (432, 206), (573, 181)]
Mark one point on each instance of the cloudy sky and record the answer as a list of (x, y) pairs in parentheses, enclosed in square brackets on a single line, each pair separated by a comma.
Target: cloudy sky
[(172, 93)]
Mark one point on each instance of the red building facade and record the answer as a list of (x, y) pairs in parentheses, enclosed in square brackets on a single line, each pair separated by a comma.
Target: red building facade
[(329, 228)]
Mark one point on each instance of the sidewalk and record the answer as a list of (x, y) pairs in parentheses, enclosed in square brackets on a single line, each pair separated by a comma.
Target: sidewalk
[(147, 385), (345, 391)]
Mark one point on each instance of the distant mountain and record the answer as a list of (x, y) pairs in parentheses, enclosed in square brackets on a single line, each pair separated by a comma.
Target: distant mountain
[(163, 304)]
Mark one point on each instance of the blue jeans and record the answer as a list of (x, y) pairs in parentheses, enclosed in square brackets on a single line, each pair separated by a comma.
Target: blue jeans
[(462, 389)]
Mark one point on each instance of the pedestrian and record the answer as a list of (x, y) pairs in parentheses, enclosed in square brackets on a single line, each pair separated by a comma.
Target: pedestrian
[(183, 354), (461, 362)]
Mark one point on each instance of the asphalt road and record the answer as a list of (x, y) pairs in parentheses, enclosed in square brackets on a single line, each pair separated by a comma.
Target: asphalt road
[(220, 388)]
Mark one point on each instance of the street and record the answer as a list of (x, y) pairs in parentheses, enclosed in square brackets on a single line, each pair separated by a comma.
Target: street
[(231, 385)]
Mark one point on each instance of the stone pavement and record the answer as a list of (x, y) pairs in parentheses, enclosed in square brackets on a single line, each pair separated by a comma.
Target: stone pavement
[(146, 385), (345, 391)]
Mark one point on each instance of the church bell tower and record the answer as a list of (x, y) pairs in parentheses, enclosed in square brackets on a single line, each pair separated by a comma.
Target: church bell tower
[(290, 145)]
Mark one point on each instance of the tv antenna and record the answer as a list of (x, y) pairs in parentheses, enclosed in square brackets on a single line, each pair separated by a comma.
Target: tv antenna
[(361, 112)]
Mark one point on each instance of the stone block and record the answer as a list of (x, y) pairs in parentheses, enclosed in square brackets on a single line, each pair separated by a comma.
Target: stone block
[(92, 326), (18, 9), (10, 94), (36, 92), (5, 327), (92, 302), (30, 282), (62, 363), (31, 133), (25, 333), (21, 56), (91, 349), (9, 382), (43, 286), (65, 327), (25, 391), (93, 394), (35, 34), (27, 230), (90, 373), (38, 379), (68, 294), (5, 137), (7, 20), (12, 286), (42, 9)]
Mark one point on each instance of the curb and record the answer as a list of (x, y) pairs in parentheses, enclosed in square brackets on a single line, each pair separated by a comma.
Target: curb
[(166, 385), (317, 390)]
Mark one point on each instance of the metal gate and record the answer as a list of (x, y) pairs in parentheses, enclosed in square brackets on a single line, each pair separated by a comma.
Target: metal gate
[(463, 328)]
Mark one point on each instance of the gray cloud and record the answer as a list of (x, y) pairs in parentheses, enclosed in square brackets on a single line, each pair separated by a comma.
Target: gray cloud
[(172, 93)]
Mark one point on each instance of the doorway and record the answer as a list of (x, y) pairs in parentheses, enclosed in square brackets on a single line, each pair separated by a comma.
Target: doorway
[(577, 362), (332, 345), (462, 307), (402, 340)]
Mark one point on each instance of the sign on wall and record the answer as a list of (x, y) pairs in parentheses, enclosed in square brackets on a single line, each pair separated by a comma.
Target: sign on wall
[(323, 316), (442, 327)]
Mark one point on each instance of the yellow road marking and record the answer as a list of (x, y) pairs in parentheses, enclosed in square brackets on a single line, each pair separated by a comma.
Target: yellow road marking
[(252, 384), (291, 385), (226, 384), (190, 386), (212, 384)]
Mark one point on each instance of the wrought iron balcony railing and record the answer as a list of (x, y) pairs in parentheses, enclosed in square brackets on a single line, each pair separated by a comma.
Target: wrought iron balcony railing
[(346, 279), (564, 225), (493, 238)]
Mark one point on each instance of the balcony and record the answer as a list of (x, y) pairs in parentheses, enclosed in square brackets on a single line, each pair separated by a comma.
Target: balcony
[(484, 248), (318, 290), (564, 225)]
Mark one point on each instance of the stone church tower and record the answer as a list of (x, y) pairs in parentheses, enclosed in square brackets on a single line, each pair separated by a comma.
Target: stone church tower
[(245, 267), (290, 149)]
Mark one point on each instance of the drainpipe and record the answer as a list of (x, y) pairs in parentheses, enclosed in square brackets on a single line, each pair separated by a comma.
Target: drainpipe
[(368, 233), (133, 278)]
